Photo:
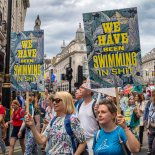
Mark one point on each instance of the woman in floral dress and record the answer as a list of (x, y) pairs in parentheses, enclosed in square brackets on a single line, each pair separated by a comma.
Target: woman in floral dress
[(33, 109), (59, 142)]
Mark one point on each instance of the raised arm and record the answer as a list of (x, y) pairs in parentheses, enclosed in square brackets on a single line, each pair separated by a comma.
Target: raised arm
[(40, 139), (132, 142)]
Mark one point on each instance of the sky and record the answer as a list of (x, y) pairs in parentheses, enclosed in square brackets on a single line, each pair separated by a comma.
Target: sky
[(60, 19)]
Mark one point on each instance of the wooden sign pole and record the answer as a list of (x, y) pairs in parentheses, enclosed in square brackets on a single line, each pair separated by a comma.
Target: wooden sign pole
[(27, 102), (27, 95), (117, 100)]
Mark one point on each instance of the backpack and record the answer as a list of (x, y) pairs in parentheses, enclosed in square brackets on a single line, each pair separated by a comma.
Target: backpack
[(77, 103), (69, 131), (22, 114)]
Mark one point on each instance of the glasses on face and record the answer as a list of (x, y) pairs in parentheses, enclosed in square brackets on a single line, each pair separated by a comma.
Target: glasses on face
[(57, 100)]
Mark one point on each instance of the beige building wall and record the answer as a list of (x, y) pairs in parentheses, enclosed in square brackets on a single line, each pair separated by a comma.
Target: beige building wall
[(3, 9), (148, 64), (76, 49), (19, 9)]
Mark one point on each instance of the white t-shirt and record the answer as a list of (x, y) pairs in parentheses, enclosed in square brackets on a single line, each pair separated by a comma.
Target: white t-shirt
[(87, 120)]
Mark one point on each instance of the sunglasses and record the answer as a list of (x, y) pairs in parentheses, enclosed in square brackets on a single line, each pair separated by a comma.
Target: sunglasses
[(57, 100)]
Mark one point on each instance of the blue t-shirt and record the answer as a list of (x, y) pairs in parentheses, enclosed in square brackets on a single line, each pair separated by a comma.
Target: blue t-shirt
[(108, 143)]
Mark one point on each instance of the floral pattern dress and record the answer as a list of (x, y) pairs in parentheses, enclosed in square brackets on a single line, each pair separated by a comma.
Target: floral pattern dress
[(59, 142), (31, 145)]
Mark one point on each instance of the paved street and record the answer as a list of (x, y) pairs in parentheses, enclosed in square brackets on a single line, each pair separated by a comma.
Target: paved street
[(145, 146), (17, 150)]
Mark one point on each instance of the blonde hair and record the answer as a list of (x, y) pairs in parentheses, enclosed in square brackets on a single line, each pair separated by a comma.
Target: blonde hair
[(67, 100)]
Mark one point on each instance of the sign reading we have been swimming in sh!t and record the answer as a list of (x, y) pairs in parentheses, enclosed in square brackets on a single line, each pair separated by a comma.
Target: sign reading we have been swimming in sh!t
[(113, 48), (27, 61)]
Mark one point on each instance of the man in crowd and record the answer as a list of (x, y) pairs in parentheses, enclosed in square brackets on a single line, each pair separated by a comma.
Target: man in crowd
[(151, 125), (87, 116)]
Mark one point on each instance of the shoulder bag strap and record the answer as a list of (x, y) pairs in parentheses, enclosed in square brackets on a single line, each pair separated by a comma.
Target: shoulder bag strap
[(54, 118), (97, 134), (79, 105), (122, 143), (70, 132)]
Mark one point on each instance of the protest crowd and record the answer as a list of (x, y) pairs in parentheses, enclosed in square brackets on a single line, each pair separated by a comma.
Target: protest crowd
[(84, 122)]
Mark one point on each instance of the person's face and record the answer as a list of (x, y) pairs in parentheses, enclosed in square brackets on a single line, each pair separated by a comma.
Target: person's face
[(136, 98), (14, 106), (104, 115), (84, 92), (78, 94), (110, 98), (131, 101), (135, 93), (121, 93), (58, 104)]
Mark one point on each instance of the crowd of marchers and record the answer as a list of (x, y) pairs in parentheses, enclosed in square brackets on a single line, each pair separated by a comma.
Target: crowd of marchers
[(82, 123)]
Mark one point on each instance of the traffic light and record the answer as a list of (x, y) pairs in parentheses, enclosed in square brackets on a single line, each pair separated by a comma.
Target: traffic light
[(80, 75), (69, 71)]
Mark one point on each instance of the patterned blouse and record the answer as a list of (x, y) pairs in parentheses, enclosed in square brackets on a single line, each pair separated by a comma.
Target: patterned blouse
[(59, 142)]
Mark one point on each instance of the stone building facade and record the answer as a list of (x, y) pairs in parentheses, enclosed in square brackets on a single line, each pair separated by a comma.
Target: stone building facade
[(76, 49), (19, 9), (148, 63)]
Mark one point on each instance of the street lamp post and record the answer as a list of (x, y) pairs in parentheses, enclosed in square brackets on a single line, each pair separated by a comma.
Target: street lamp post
[(6, 91), (70, 80)]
